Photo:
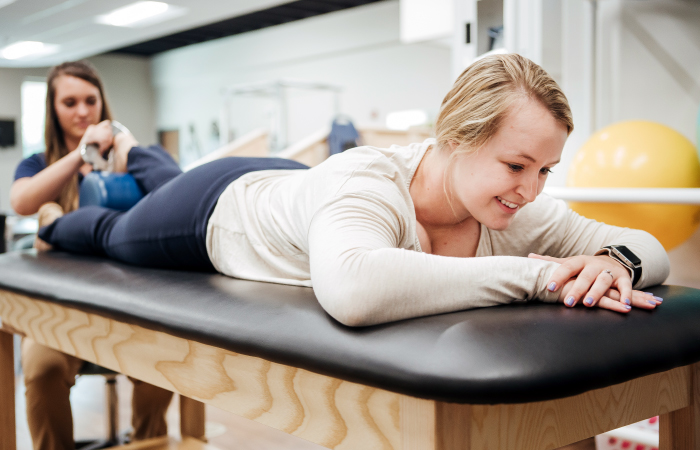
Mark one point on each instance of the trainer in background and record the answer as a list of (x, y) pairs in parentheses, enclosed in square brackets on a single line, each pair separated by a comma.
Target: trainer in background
[(76, 113)]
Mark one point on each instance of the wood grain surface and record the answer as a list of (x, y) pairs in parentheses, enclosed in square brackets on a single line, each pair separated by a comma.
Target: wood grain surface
[(334, 413), (7, 392), (553, 424), (331, 412), (192, 418), (680, 430)]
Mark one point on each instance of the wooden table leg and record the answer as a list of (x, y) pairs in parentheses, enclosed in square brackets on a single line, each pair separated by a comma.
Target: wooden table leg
[(7, 393), (680, 429), (586, 444), (192, 418)]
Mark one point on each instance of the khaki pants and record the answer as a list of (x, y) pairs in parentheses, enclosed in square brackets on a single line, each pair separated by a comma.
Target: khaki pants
[(48, 377)]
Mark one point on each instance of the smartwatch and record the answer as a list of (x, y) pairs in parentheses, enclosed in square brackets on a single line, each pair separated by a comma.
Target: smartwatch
[(624, 256)]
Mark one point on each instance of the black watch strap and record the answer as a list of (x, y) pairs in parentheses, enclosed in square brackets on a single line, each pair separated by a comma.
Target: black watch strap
[(625, 257)]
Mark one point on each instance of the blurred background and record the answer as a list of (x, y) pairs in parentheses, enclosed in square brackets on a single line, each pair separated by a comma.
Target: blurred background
[(276, 76)]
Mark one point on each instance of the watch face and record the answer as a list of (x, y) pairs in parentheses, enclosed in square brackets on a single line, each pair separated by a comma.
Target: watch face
[(624, 251)]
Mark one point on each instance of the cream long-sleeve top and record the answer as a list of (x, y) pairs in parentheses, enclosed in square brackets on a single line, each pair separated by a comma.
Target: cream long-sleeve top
[(347, 228)]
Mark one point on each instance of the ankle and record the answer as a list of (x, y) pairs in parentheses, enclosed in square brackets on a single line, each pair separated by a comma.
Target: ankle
[(123, 143), (48, 213)]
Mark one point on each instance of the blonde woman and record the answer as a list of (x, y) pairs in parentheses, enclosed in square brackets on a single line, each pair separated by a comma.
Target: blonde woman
[(76, 112), (453, 223)]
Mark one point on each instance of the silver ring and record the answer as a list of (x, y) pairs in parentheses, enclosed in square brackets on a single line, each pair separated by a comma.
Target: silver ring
[(609, 273)]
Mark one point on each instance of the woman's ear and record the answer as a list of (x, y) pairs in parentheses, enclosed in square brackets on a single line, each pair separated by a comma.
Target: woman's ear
[(454, 145)]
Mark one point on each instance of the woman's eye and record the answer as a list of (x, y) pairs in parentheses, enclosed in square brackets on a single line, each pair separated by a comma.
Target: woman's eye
[(91, 101), (546, 171), (69, 103), (515, 167)]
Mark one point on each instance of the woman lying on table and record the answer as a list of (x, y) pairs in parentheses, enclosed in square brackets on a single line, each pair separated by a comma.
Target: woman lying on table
[(453, 223)]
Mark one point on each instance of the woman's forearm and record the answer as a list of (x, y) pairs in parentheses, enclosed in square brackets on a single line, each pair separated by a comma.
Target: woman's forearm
[(363, 288), (28, 194)]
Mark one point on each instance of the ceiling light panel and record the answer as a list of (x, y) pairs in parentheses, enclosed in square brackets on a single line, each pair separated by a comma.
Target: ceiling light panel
[(26, 49), (141, 14)]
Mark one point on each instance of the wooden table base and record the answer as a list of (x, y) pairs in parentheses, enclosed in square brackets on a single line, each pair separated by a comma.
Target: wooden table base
[(335, 413)]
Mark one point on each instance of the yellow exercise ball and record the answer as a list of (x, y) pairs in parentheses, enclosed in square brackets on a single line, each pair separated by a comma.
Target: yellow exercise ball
[(645, 155)]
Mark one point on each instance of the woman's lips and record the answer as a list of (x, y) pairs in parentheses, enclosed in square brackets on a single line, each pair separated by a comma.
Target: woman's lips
[(506, 208)]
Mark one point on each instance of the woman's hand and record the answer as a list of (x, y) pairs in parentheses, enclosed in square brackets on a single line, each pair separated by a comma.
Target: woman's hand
[(596, 280), (100, 135)]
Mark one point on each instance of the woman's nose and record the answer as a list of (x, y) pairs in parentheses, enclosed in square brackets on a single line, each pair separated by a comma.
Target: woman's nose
[(529, 189), (82, 109)]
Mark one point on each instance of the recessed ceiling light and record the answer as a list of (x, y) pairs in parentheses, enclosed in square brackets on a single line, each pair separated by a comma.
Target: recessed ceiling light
[(23, 49), (140, 14), (6, 2)]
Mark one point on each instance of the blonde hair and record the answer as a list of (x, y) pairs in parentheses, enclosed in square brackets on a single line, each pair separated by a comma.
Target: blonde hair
[(482, 96), (53, 133)]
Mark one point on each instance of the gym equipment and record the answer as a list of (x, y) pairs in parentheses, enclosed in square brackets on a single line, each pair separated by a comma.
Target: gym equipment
[(104, 188), (279, 92), (484, 378), (110, 190), (671, 196), (343, 135), (639, 154), (316, 147), (252, 144), (91, 153)]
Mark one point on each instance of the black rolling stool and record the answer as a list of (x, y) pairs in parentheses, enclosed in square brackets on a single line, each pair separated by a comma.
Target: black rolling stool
[(111, 405)]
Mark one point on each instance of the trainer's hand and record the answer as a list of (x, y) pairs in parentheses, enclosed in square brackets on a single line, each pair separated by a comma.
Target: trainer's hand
[(100, 135), (586, 279)]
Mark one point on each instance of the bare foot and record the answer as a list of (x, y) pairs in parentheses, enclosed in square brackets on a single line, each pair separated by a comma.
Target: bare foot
[(48, 213), (123, 143)]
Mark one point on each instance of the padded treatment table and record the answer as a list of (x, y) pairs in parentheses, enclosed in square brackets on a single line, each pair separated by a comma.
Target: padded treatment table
[(523, 376)]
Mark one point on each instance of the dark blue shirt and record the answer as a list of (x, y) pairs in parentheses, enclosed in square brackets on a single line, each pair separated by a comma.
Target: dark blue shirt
[(34, 164), (31, 166)]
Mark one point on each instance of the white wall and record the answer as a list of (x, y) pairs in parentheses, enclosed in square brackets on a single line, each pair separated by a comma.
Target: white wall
[(127, 83), (10, 108), (657, 78), (657, 57), (358, 49), (648, 66), (648, 69)]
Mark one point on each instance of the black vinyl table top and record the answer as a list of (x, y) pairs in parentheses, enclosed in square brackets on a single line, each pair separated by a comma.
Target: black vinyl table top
[(507, 354)]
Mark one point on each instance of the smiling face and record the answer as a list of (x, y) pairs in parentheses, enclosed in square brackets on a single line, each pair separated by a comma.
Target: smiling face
[(494, 183), (78, 104)]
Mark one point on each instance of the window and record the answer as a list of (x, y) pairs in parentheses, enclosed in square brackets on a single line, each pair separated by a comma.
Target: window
[(33, 116)]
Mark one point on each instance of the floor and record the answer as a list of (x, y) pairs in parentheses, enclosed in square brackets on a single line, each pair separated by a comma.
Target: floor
[(224, 430)]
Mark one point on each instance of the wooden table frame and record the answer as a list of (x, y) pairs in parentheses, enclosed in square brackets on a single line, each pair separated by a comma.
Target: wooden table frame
[(335, 413)]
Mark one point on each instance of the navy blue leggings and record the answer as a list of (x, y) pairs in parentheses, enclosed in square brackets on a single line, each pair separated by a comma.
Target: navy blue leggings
[(168, 227)]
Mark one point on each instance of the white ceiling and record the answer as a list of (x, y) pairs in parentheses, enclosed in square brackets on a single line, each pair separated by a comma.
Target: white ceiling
[(71, 25)]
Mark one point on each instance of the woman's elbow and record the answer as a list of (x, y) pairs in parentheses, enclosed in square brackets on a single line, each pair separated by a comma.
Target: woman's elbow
[(346, 307), (20, 205), (20, 202)]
